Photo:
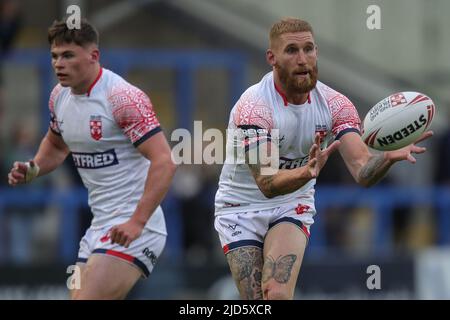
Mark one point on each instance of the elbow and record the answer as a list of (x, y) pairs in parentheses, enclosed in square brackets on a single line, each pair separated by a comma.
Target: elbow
[(364, 182), (264, 187), (269, 194), (172, 167), (165, 164)]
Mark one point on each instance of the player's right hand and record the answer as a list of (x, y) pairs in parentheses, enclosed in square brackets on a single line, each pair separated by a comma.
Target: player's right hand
[(318, 157), (23, 172)]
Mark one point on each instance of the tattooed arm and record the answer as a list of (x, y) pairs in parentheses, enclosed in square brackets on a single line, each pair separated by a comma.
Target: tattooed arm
[(274, 182), (367, 168), (283, 182)]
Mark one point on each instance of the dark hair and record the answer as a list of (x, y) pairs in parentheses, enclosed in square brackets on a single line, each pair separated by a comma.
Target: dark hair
[(60, 33)]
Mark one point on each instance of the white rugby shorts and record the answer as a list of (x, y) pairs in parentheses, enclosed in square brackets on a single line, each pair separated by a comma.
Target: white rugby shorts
[(249, 228), (142, 252)]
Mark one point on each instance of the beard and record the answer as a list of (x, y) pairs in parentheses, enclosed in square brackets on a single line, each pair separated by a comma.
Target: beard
[(295, 85)]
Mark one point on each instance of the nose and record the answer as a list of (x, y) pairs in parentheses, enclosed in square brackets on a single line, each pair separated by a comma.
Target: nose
[(57, 63), (301, 58)]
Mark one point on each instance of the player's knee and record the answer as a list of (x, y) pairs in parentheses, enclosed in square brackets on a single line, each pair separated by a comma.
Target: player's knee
[(277, 292), (97, 296), (82, 295)]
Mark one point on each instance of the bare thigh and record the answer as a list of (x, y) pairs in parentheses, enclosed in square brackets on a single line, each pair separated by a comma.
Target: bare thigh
[(284, 247), (74, 291), (246, 265), (106, 278)]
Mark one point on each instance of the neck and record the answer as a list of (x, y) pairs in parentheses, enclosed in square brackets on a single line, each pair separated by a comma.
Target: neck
[(291, 97), (85, 85)]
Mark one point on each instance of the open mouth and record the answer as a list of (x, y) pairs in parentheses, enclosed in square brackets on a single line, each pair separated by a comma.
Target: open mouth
[(303, 73)]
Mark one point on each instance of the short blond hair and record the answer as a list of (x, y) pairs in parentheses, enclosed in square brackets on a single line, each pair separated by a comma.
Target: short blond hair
[(287, 25)]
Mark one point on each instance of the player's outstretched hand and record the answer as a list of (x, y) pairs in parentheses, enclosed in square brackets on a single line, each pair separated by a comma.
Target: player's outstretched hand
[(405, 153), (125, 233), (318, 157), (22, 172)]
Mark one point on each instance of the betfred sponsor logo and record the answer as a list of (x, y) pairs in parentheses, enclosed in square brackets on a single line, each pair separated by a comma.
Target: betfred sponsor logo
[(95, 160), (404, 132), (286, 163)]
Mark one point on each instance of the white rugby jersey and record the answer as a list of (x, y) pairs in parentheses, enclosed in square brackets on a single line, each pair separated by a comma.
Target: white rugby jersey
[(264, 107), (102, 130)]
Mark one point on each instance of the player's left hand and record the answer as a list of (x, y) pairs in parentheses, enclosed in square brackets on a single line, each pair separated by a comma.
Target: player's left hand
[(125, 233), (405, 153)]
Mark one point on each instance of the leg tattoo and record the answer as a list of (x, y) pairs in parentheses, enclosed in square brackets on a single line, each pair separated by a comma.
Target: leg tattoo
[(280, 270), (246, 267)]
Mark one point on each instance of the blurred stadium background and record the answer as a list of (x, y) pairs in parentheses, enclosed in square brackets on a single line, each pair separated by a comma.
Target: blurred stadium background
[(194, 58)]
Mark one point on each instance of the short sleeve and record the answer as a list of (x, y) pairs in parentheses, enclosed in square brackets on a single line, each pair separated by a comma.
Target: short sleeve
[(344, 115), (54, 124), (254, 117), (134, 114)]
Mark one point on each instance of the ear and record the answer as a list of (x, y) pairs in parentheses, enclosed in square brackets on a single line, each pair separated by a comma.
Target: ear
[(317, 51), (95, 55), (270, 57)]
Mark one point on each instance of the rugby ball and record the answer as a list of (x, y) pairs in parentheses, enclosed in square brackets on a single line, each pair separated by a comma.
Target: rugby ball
[(397, 120)]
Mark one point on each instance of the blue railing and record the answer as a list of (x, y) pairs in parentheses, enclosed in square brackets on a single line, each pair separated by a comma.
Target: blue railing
[(68, 203), (382, 201)]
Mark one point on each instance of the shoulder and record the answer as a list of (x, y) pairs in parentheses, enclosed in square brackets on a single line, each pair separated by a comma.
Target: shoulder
[(121, 93), (344, 115), (253, 108), (56, 90), (54, 96), (334, 99), (339, 105), (115, 85), (132, 111)]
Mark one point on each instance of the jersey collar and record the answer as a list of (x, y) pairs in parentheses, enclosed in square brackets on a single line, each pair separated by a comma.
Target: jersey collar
[(95, 81)]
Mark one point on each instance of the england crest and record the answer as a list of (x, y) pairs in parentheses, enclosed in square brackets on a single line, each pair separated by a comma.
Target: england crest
[(322, 130), (96, 127)]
